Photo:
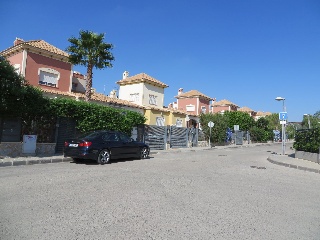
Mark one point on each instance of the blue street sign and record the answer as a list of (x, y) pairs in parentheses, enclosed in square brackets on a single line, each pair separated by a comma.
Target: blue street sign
[(283, 116)]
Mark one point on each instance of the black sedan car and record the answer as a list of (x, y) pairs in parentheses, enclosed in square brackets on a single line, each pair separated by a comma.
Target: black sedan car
[(103, 146)]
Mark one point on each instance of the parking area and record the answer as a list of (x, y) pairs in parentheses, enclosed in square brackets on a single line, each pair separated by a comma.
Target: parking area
[(211, 194)]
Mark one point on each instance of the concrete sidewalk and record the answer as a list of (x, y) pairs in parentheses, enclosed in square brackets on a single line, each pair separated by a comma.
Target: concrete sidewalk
[(287, 160), (291, 162)]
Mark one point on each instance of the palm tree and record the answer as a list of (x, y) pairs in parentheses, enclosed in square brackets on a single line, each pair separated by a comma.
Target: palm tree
[(89, 50)]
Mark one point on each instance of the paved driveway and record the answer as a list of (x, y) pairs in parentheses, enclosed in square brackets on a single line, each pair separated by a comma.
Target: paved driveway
[(210, 194)]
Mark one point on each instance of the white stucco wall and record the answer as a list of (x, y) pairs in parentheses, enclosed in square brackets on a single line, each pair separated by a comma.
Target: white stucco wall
[(125, 91), (81, 84), (153, 90)]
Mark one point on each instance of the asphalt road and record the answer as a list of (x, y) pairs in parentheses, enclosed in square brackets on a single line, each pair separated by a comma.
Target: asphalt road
[(212, 194)]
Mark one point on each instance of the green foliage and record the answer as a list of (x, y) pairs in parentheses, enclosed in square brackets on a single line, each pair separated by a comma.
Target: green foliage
[(261, 131), (259, 134), (313, 119), (91, 116), (222, 122), (244, 120), (218, 131), (307, 140), (17, 97), (89, 48), (11, 90), (291, 131), (317, 115), (273, 121), (262, 123), (91, 51)]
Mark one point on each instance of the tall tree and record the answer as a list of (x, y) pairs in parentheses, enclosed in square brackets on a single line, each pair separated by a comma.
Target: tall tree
[(91, 51)]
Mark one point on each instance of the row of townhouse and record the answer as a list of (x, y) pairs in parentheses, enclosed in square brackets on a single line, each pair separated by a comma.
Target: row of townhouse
[(46, 66)]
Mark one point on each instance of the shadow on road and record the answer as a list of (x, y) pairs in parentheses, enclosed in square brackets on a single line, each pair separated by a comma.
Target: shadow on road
[(93, 162)]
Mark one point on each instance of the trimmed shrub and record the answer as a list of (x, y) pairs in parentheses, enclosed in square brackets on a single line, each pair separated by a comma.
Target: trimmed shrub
[(307, 140)]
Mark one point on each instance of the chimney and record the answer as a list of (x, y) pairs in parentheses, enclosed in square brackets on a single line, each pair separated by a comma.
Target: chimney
[(125, 74), (170, 105), (175, 105), (180, 91), (113, 94), (17, 41)]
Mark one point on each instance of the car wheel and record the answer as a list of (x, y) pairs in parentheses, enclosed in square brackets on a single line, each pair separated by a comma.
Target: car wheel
[(104, 157), (144, 153)]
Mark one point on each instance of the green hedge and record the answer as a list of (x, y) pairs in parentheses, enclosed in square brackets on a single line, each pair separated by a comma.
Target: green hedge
[(307, 140), (92, 116)]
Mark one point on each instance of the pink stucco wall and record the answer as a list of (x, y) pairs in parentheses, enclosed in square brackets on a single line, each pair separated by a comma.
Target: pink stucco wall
[(203, 103), (16, 59), (35, 61), (216, 109), (183, 102)]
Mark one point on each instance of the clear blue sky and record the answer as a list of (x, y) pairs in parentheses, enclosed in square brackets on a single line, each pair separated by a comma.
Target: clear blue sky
[(246, 51)]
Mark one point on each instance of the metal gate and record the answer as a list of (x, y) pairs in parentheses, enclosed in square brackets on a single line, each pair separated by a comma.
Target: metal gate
[(178, 137), (193, 134), (154, 136), (10, 130), (66, 128)]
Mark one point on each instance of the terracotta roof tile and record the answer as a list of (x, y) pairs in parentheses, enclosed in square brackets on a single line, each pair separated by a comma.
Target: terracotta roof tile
[(245, 109), (95, 97), (103, 98), (40, 44), (167, 110), (141, 77), (193, 93), (224, 102), (263, 114), (46, 46)]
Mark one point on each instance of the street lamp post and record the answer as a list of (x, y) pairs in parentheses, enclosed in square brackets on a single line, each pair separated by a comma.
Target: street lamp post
[(283, 139), (308, 115)]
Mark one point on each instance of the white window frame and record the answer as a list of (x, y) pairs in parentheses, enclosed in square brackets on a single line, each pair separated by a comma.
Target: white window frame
[(50, 71), (179, 123), (152, 99), (190, 108), (203, 109), (134, 97), (160, 121)]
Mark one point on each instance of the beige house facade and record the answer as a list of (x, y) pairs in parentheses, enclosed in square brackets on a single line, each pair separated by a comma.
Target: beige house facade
[(148, 92), (142, 89)]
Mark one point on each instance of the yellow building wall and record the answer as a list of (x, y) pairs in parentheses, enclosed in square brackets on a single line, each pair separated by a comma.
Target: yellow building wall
[(152, 115), (170, 117), (177, 116)]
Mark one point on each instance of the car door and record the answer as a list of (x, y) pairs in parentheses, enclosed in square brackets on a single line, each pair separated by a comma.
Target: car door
[(113, 143), (130, 148)]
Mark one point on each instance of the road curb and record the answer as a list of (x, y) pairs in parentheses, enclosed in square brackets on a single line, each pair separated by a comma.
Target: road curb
[(15, 162), (293, 166)]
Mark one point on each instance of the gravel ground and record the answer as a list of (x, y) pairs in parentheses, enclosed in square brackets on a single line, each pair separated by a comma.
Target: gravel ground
[(212, 194)]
